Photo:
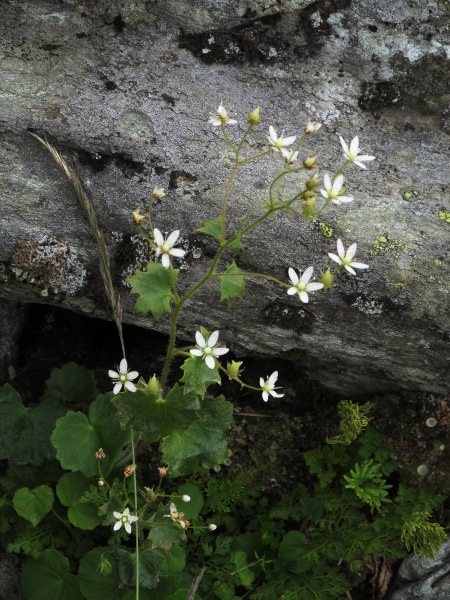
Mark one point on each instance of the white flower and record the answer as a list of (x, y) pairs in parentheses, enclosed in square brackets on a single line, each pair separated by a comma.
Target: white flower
[(158, 192), (288, 156), (301, 286), (165, 246), (312, 127), (268, 386), (212, 527), (123, 378), (331, 191), (279, 142), (222, 117), (207, 348), (346, 258), (352, 153), (186, 498), (124, 519)]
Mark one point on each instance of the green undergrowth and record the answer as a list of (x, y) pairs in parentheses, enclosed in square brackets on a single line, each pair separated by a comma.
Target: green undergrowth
[(237, 541)]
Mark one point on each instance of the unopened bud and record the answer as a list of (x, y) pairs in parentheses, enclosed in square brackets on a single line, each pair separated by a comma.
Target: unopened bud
[(158, 193), (162, 471), (311, 184), (101, 482), (308, 194), (212, 527), (234, 369), (309, 210), (137, 217), (310, 162), (326, 279), (312, 127), (153, 385), (253, 117), (150, 495), (186, 498)]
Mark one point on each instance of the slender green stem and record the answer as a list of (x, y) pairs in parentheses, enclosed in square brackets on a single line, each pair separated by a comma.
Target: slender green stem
[(172, 280), (249, 274), (242, 383), (145, 236), (339, 170), (150, 218), (133, 454), (255, 157), (227, 137)]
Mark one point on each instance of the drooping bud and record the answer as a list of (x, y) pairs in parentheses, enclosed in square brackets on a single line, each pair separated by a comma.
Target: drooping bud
[(312, 127), (253, 117), (326, 279), (311, 184), (158, 193), (310, 162), (153, 385), (137, 217), (234, 369)]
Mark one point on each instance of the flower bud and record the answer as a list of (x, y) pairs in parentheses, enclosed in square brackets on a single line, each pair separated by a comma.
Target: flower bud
[(253, 117), (150, 495), (311, 184), (309, 210), (212, 527), (326, 279), (153, 385), (101, 482), (312, 127), (308, 194), (162, 471), (105, 566), (234, 369), (186, 498), (137, 217), (158, 193), (310, 162)]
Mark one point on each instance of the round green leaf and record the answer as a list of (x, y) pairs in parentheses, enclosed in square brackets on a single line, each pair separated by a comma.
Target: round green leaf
[(33, 505), (48, 578), (94, 584), (77, 439), (71, 384), (70, 490), (151, 565), (175, 561)]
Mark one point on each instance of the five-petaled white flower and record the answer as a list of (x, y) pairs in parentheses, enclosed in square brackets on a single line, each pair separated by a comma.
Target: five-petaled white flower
[(222, 117), (124, 519), (268, 386), (165, 246), (312, 127), (331, 191), (345, 258), (279, 142), (123, 378), (207, 348), (289, 156), (353, 153), (302, 286)]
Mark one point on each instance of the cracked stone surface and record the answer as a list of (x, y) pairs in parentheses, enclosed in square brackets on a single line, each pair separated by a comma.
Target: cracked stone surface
[(124, 91)]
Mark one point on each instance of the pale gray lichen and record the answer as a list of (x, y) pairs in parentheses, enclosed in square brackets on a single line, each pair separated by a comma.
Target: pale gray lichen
[(369, 307)]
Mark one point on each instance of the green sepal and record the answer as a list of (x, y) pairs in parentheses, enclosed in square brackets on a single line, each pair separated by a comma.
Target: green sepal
[(33, 505), (49, 577), (198, 376), (77, 438), (203, 444), (154, 417), (232, 284), (213, 228), (151, 565), (71, 384), (165, 532), (25, 432), (70, 489), (154, 288)]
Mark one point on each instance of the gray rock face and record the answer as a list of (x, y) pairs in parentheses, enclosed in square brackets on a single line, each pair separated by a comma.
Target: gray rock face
[(124, 91), (421, 578), (12, 318)]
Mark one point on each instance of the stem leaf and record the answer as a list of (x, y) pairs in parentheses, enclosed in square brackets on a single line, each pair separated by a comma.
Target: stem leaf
[(154, 288)]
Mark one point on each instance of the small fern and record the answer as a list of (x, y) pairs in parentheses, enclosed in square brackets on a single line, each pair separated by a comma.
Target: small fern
[(368, 484), (223, 493), (422, 536), (354, 420)]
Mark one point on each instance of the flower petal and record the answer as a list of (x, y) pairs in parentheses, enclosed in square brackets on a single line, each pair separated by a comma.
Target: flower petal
[(130, 386), (132, 375), (127, 527), (365, 157), (210, 362), (291, 291), (178, 252), (340, 249), (307, 274), (196, 352), (344, 145), (265, 396), (289, 140), (126, 512), (117, 388), (351, 251), (123, 366), (201, 343), (350, 270), (261, 381), (357, 265), (173, 238), (303, 297), (117, 515), (212, 341), (338, 182), (165, 260), (272, 134), (327, 182), (113, 374), (158, 237), (360, 165), (314, 286), (334, 257), (220, 351), (293, 276), (354, 145), (276, 394), (273, 378), (345, 199), (117, 525)]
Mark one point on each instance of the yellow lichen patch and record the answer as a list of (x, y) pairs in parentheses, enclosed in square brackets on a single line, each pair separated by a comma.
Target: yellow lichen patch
[(384, 245)]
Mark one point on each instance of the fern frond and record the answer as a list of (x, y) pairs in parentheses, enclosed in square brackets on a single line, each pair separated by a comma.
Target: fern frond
[(354, 420)]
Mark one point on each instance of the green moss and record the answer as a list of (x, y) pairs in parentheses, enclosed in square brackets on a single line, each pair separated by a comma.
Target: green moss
[(444, 215), (327, 231), (438, 262), (399, 286), (384, 245)]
